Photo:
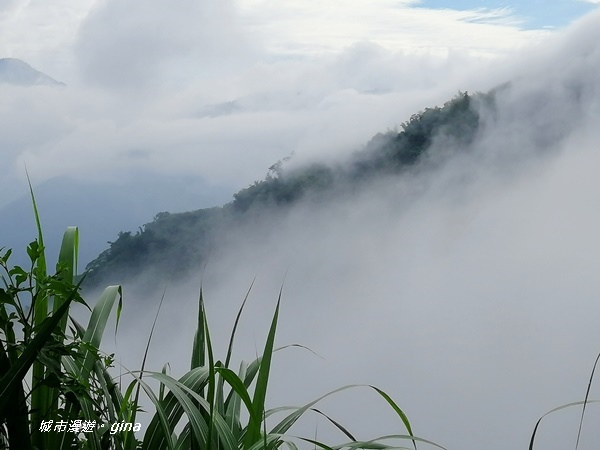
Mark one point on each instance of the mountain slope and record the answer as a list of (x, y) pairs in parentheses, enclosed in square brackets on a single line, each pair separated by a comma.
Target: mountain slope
[(17, 72), (99, 209), (173, 244)]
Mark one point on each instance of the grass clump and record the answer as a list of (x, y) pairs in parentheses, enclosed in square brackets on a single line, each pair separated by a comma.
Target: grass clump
[(57, 390)]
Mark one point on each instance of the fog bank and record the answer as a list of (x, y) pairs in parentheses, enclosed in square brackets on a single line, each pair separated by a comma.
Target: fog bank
[(467, 290)]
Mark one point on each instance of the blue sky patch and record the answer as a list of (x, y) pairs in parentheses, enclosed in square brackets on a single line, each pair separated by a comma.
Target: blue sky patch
[(534, 14)]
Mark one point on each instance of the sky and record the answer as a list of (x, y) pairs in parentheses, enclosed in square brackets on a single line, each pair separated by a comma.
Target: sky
[(140, 83), (529, 14), (50, 37), (469, 294)]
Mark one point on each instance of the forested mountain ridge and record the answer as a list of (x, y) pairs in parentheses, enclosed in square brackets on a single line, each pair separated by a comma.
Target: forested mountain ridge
[(174, 243)]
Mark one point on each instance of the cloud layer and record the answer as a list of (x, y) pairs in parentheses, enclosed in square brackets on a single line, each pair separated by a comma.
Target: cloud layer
[(189, 88), (470, 294), (467, 291)]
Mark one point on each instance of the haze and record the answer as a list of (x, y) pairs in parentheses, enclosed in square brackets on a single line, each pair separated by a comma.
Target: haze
[(466, 289)]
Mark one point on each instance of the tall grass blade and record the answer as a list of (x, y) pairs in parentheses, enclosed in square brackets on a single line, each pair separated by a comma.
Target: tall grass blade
[(235, 325), (148, 342), (78, 404), (184, 397), (585, 401), (238, 387), (260, 391), (82, 369), (233, 403), (14, 377), (270, 441), (66, 269), (375, 443), (184, 439), (131, 419), (395, 407), (67, 264), (249, 373), (161, 389), (17, 424), (286, 423), (231, 415), (39, 399), (338, 425), (99, 318), (198, 350), (568, 405), (157, 432), (159, 435), (67, 256), (199, 426), (41, 266), (211, 389)]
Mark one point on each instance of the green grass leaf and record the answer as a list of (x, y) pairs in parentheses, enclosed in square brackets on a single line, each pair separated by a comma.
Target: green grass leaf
[(558, 408), (260, 392), (14, 376)]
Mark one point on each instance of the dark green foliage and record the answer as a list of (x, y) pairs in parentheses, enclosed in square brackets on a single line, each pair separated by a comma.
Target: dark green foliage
[(172, 243), (156, 243), (48, 374), (454, 124), (284, 188)]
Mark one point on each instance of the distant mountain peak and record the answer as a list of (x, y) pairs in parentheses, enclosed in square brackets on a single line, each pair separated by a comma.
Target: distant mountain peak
[(18, 72)]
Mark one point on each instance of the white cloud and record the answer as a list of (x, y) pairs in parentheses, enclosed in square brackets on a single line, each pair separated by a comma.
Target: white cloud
[(472, 304), (298, 77), (469, 294), (231, 129), (132, 43), (42, 34), (495, 264), (308, 27)]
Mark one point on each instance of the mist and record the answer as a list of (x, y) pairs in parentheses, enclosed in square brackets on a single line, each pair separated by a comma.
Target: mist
[(465, 288)]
